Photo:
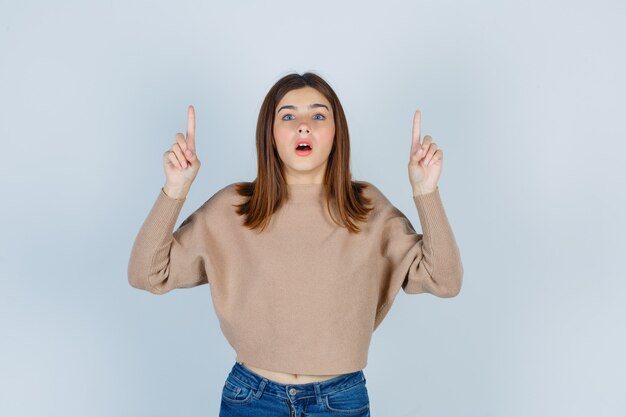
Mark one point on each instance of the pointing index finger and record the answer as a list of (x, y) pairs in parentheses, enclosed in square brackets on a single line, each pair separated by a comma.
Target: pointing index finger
[(191, 128), (417, 120)]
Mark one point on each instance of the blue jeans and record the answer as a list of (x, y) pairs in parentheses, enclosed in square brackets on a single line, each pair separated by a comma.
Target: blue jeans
[(246, 393)]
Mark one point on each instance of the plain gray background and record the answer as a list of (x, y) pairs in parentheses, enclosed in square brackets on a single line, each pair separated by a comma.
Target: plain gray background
[(524, 98)]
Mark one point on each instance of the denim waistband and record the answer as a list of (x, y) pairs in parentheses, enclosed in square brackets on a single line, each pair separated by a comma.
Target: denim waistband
[(295, 391)]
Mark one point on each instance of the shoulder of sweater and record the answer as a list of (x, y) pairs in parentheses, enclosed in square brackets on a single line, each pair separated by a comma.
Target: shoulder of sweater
[(220, 199), (379, 199), (371, 190), (227, 192), (384, 210)]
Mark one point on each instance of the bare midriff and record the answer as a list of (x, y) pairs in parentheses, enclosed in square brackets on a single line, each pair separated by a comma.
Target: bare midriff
[(284, 378)]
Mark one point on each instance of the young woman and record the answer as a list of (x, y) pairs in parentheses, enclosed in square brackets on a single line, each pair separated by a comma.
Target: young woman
[(303, 263)]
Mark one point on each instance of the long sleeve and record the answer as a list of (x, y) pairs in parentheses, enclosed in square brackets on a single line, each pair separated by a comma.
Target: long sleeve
[(428, 262), (162, 260)]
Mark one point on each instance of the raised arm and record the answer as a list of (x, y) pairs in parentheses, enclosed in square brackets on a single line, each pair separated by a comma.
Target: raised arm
[(162, 259), (429, 262)]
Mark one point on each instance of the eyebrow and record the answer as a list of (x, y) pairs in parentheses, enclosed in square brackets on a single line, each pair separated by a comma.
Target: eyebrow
[(311, 106)]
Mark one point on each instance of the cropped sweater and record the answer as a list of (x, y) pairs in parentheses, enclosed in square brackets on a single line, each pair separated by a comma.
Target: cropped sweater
[(304, 296)]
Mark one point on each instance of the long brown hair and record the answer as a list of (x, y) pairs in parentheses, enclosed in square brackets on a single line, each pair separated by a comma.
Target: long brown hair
[(268, 191)]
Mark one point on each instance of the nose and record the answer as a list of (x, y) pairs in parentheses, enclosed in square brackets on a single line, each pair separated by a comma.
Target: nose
[(304, 129)]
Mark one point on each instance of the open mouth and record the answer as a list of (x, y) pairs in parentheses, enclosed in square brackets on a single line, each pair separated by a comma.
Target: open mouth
[(303, 147)]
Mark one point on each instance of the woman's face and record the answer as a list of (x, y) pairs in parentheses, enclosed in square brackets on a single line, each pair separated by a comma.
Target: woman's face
[(304, 114)]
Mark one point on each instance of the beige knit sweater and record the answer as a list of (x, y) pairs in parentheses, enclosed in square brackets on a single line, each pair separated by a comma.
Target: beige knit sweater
[(305, 295)]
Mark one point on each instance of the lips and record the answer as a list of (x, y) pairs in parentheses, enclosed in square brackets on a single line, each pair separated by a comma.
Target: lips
[(303, 142)]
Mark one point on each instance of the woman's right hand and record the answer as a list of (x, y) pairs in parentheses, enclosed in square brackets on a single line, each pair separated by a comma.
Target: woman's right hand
[(180, 162)]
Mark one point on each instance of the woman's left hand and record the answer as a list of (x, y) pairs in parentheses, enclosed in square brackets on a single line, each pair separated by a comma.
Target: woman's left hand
[(426, 161)]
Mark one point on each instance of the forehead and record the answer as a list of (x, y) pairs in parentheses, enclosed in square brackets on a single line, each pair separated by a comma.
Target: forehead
[(302, 97)]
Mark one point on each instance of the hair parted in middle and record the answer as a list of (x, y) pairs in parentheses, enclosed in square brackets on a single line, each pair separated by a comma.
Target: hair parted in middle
[(268, 191)]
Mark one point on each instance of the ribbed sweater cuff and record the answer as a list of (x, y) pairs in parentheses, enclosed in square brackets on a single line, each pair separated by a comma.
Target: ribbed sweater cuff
[(431, 212), (165, 211)]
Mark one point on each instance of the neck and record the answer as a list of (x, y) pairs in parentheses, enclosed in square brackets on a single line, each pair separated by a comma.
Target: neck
[(306, 193)]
